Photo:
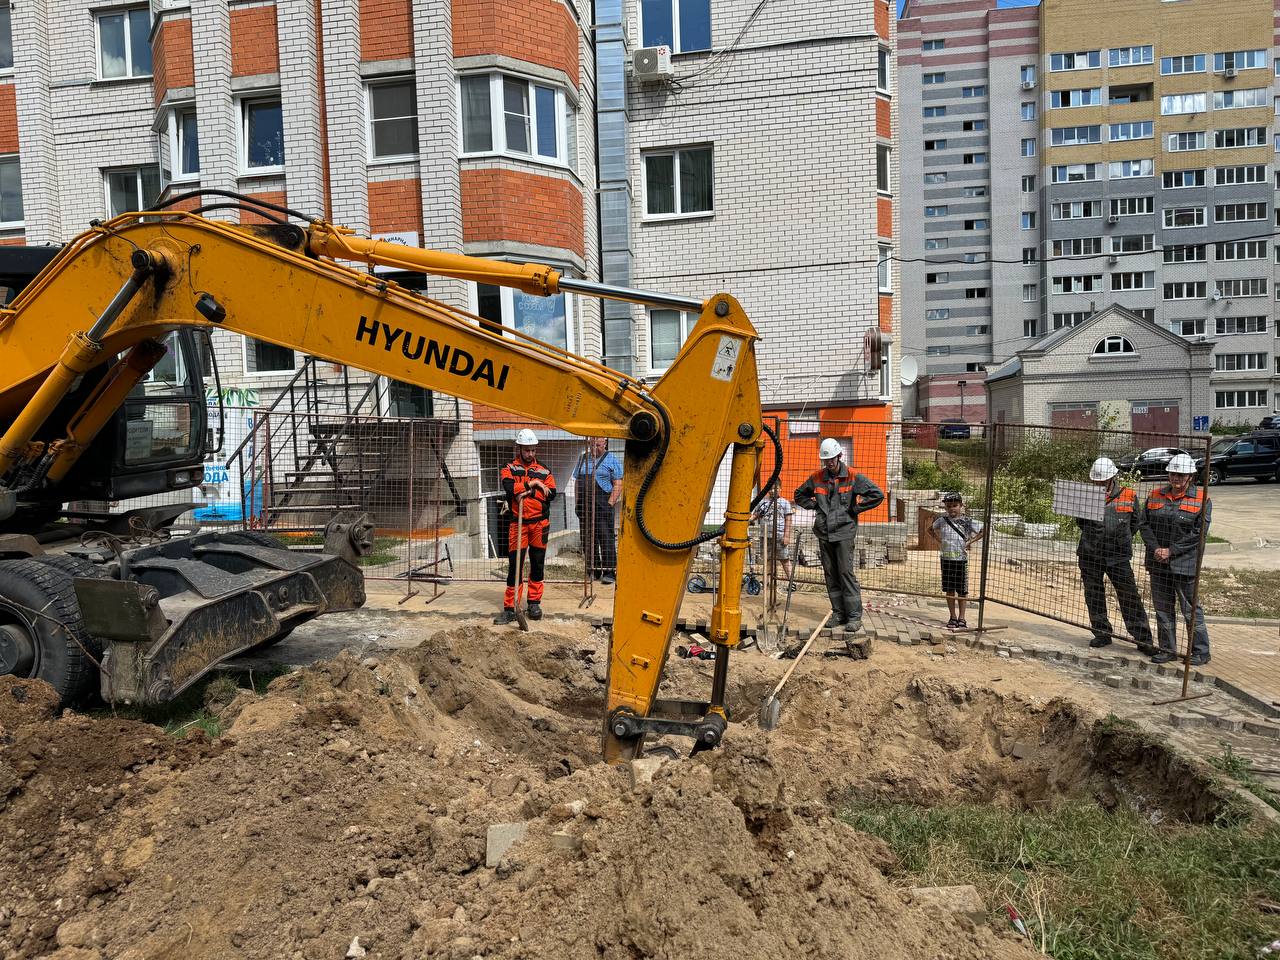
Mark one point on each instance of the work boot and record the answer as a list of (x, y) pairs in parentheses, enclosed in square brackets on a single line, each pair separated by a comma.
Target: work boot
[(1163, 656), (1100, 642), (1198, 660), (535, 610), (1147, 649), (608, 579), (508, 615)]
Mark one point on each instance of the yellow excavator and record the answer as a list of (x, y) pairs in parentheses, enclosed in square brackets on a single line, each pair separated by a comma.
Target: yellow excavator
[(91, 326)]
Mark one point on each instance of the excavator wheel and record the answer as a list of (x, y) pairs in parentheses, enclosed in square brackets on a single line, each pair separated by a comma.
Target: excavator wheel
[(73, 566), (41, 632)]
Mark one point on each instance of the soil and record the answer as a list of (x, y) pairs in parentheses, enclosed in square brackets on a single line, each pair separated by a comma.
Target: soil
[(345, 811)]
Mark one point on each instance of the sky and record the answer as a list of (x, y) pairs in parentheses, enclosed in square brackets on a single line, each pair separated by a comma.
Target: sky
[(999, 3)]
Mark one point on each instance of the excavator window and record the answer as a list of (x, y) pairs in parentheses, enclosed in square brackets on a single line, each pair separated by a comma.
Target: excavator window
[(164, 416)]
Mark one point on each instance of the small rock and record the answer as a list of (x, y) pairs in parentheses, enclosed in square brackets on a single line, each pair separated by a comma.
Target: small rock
[(543, 724), (1019, 750), (566, 841), (355, 950), (642, 770), (501, 838), (502, 787)]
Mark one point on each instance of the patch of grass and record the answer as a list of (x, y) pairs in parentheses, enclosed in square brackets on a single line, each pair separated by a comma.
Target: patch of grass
[(1240, 593), (1091, 884), (1240, 769), (190, 711)]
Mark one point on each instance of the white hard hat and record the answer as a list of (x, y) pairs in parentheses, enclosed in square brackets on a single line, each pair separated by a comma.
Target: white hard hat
[(1102, 469), (1181, 463), (830, 449), (527, 438)]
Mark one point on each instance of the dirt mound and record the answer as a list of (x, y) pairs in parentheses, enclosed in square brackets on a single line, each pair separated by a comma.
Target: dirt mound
[(355, 799), (25, 701)]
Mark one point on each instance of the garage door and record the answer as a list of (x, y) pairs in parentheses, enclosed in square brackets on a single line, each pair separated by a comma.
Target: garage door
[(1154, 422), (1081, 416)]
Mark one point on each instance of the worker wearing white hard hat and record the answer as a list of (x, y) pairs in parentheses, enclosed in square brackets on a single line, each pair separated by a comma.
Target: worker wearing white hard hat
[(837, 496), (529, 488), (1105, 552), (1175, 521)]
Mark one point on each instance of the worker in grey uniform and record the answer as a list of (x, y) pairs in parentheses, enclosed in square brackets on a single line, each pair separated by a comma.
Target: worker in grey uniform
[(1106, 551), (837, 496), (1174, 517)]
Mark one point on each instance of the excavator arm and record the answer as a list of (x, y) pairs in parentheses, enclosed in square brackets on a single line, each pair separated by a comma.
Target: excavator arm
[(119, 288)]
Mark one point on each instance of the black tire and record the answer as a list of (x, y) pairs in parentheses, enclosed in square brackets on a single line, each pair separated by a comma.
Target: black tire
[(62, 647), (73, 566), (1216, 476)]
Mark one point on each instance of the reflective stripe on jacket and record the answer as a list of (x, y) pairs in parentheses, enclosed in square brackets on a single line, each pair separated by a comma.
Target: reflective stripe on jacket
[(1174, 523), (1111, 538), (837, 501)]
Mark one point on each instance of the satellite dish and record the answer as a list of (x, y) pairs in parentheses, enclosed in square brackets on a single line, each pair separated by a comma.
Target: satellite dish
[(909, 370)]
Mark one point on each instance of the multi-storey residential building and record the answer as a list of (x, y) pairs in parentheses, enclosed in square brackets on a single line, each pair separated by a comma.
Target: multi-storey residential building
[(1132, 163)]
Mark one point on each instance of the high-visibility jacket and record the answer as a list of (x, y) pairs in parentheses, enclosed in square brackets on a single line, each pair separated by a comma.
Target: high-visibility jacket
[(1175, 523), (1110, 539), (836, 502), (515, 479)]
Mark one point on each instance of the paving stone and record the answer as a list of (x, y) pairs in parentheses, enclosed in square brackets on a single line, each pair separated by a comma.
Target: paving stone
[(1262, 729), (1140, 683), (1186, 720), (1114, 680)]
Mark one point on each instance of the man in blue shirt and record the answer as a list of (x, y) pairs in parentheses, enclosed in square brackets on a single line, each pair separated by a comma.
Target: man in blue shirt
[(598, 483)]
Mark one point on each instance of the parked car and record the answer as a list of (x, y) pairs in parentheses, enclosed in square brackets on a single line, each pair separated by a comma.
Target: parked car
[(913, 428), (1271, 422), (1254, 455), (953, 428), (1148, 464)]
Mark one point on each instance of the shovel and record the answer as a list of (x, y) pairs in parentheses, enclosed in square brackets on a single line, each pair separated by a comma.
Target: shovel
[(771, 708), (523, 620)]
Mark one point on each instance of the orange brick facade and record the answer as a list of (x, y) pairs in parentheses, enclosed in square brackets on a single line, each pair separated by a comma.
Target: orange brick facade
[(395, 206), (886, 314), (883, 130), (539, 31), (273, 196), (884, 217), (254, 46), (8, 118), (171, 57), (386, 30), (524, 207)]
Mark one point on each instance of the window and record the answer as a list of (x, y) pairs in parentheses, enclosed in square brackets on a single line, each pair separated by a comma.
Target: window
[(884, 264), (935, 112), (184, 143), (679, 182), (936, 243), (505, 114), (882, 168), (1239, 60), (1029, 183), (678, 24), (1029, 110), (1187, 64), (1077, 247), (1132, 206), (1176, 103), (976, 293), (1141, 130), (668, 330), (1028, 146), (1176, 217), (1076, 210), (1239, 289), (1075, 172), (970, 93), (935, 211), (1254, 173), (1031, 328), (944, 351), (1113, 345), (1089, 97), (1188, 328), (263, 357), (1188, 253), (1029, 255), (935, 144), (1185, 290), (935, 178), (131, 188), (1135, 280), (1241, 250), (1133, 243), (1030, 292), (1236, 399), (882, 69), (1069, 136), (975, 191), (1028, 220), (124, 44), (934, 78), (977, 330), (1119, 94), (938, 313), (1233, 137), (1240, 361), (1228, 326), (935, 44), (1239, 99), (972, 258), (973, 126), (1070, 319), (1129, 56), (1236, 212), (1125, 169), (393, 120), (974, 158), (10, 191), (1027, 73), (1181, 142), (979, 224), (1074, 61), (549, 319), (941, 276), (1180, 179), (261, 135), (1080, 283), (6, 37)]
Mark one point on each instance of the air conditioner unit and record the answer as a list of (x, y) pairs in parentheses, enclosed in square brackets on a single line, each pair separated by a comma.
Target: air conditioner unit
[(651, 64), (1113, 259), (1231, 73), (1028, 84), (1113, 219)]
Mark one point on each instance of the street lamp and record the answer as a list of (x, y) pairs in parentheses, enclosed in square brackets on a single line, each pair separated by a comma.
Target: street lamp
[(962, 386)]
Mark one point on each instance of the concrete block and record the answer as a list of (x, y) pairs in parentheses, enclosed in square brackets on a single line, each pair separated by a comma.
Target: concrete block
[(565, 841), (501, 838), (1140, 683), (1186, 720), (1114, 680), (964, 900), (641, 771), (1019, 750), (1262, 729)]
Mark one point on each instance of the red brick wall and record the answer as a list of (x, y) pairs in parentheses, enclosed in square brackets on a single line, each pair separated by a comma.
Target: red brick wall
[(886, 314), (882, 118), (8, 118), (884, 217), (271, 196), (171, 57), (537, 31), (882, 19), (255, 47), (525, 207), (386, 30), (395, 206)]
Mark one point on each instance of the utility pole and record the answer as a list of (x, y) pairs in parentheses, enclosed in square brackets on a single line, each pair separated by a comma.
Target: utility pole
[(962, 386)]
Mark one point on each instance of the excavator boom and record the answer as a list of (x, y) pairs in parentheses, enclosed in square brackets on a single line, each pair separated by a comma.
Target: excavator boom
[(134, 279)]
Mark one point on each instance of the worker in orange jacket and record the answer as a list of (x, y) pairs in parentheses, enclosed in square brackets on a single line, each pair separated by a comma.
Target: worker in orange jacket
[(529, 488)]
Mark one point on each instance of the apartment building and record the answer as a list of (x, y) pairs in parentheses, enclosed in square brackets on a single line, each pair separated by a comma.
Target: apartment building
[(1133, 164)]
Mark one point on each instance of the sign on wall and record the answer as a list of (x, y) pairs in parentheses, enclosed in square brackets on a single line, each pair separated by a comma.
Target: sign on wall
[(406, 238)]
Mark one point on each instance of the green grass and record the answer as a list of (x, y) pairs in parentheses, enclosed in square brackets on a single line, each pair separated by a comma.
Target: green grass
[(1093, 885), (1240, 769), (189, 711), (1240, 593)]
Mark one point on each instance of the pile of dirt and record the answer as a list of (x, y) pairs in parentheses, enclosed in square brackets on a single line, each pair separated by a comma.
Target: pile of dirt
[(346, 813)]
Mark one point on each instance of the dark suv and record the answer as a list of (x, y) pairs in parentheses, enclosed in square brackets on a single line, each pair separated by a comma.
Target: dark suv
[(1255, 455)]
